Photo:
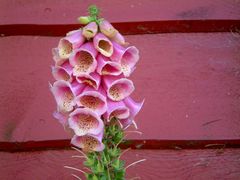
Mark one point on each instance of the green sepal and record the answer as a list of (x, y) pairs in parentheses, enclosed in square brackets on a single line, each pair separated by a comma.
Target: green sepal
[(117, 164), (118, 137), (84, 19), (91, 177), (100, 167), (95, 177), (105, 159), (89, 162), (114, 152)]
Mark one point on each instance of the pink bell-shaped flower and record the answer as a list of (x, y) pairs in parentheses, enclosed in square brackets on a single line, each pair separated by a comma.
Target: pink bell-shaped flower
[(83, 59), (127, 57), (93, 99), (58, 61), (63, 95), (107, 29), (107, 67), (73, 40), (116, 109), (134, 108), (89, 142), (90, 30), (118, 88), (92, 79), (103, 45), (84, 121), (63, 72)]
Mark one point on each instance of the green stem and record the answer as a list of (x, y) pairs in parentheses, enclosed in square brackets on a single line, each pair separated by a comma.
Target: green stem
[(107, 164), (109, 175)]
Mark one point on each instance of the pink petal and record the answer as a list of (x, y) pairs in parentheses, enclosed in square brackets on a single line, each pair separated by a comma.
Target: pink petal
[(76, 87), (118, 38), (93, 99), (56, 58), (117, 52), (83, 60), (67, 67), (126, 122), (92, 79), (134, 108), (64, 96), (128, 57), (116, 109), (84, 121), (73, 40), (107, 29), (90, 30), (61, 117), (118, 88), (62, 72), (106, 67), (129, 60), (88, 142), (103, 45)]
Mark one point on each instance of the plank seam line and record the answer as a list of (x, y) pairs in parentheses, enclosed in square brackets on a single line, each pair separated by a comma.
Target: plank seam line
[(127, 28), (134, 144)]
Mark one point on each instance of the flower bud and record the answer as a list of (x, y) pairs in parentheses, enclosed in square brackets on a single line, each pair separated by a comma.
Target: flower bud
[(84, 19), (107, 29), (118, 38), (90, 30)]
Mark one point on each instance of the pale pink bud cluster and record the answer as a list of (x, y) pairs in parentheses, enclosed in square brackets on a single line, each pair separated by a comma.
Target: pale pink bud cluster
[(92, 66)]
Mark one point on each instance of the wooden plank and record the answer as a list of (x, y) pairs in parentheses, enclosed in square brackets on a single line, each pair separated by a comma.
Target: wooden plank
[(66, 11), (128, 28), (161, 164), (191, 87)]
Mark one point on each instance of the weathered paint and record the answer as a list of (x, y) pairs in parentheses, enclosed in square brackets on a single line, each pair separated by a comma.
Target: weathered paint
[(190, 83)]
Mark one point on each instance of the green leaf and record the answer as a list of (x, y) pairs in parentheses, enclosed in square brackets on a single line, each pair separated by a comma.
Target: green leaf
[(122, 163), (89, 176), (119, 175), (116, 164), (103, 177)]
